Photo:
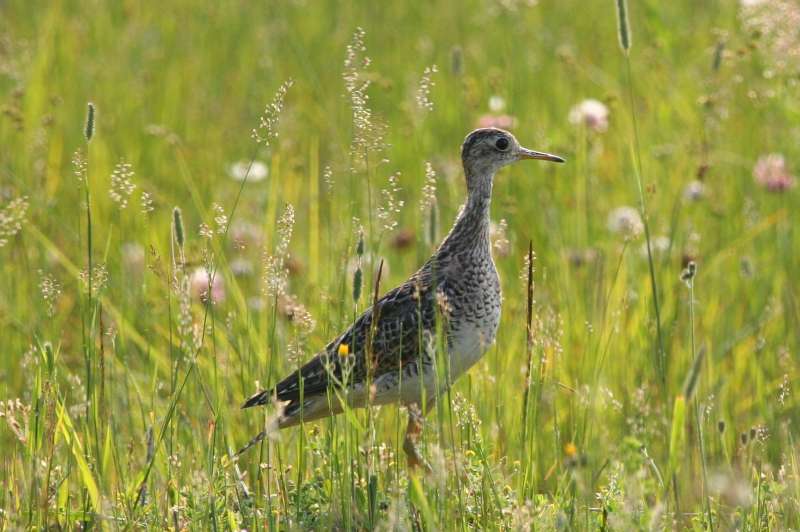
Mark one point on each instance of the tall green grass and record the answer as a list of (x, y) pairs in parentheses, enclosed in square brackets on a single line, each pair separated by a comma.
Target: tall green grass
[(120, 408)]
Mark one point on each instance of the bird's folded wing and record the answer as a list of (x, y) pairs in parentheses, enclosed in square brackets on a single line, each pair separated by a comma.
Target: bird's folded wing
[(404, 315)]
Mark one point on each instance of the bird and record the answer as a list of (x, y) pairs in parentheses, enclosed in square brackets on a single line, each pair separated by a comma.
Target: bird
[(452, 303)]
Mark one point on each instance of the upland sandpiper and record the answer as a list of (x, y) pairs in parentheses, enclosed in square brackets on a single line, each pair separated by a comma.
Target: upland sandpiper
[(389, 354)]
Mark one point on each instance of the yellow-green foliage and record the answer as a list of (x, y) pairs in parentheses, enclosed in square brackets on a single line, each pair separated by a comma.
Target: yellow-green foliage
[(121, 382)]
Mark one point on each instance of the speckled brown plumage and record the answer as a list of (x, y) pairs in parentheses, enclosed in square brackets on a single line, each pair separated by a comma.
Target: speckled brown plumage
[(457, 291)]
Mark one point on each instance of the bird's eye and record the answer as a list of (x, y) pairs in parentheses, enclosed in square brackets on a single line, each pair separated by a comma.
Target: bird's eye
[(501, 144)]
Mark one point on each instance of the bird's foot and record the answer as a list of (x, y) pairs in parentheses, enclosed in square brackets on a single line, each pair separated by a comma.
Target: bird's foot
[(415, 460), (413, 433)]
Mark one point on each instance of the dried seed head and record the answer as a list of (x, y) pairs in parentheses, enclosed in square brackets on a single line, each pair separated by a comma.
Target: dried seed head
[(79, 165), (424, 88), (147, 203), (276, 273), (267, 130), (122, 185), (390, 208), (688, 273), (51, 290), (367, 135), (12, 218), (429, 189), (626, 221)]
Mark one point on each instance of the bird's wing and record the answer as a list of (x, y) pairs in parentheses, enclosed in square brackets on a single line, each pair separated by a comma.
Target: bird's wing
[(404, 316)]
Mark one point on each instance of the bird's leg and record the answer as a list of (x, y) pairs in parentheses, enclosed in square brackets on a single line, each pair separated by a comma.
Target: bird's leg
[(413, 431)]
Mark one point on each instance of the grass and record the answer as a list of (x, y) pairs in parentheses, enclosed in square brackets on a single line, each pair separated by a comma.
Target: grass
[(120, 394)]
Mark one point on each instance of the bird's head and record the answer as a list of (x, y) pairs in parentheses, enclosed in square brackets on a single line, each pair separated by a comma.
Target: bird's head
[(486, 150)]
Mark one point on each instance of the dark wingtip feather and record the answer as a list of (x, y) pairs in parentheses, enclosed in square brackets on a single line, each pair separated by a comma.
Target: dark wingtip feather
[(260, 436), (261, 398)]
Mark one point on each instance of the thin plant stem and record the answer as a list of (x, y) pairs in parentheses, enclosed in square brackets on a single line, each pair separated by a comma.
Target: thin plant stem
[(660, 353)]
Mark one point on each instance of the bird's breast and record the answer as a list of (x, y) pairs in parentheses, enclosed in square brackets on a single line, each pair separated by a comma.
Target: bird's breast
[(475, 318)]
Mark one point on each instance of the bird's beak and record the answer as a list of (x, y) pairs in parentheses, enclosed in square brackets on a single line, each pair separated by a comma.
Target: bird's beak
[(525, 153)]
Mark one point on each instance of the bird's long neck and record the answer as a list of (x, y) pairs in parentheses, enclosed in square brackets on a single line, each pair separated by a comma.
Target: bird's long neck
[(471, 230)]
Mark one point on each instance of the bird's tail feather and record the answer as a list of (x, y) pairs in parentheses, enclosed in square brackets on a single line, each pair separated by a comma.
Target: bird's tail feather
[(260, 436), (261, 398)]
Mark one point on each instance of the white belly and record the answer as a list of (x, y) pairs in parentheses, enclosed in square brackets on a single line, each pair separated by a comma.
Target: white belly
[(469, 345)]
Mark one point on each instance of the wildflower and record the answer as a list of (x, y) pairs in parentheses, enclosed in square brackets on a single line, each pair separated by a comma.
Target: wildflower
[(424, 89), (499, 121), (497, 104), (771, 173), (590, 113), (694, 190), (625, 221), (200, 282), (121, 184), (578, 257), (12, 216), (570, 449), (775, 22), (245, 233), (133, 257), (267, 130), (344, 350), (403, 239), (241, 267), (258, 171), (731, 488), (294, 311), (659, 244)]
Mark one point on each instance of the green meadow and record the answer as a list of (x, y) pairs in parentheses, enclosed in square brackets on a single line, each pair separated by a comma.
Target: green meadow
[(245, 170)]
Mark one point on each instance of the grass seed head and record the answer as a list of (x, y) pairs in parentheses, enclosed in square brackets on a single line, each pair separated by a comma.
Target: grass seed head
[(267, 130), (12, 218), (177, 226), (88, 130), (623, 28)]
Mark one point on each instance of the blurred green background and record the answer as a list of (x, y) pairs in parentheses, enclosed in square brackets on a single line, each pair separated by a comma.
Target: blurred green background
[(179, 86)]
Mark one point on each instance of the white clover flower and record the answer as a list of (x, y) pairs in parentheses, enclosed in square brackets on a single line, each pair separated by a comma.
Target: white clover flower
[(625, 221), (258, 171), (592, 114)]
